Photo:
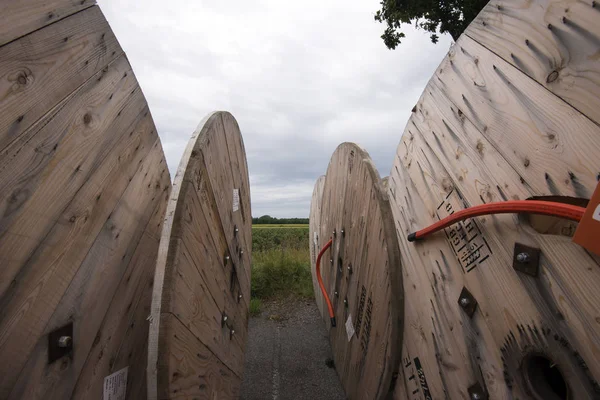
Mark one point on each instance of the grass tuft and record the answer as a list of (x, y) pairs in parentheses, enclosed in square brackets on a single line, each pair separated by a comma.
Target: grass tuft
[(255, 307), (281, 263)]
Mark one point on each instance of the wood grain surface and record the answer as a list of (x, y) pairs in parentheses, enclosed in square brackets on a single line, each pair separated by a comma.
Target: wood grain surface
[(83, 190), (484, 131), (362, 275), (555, 42), (199, 319), (314, 231)]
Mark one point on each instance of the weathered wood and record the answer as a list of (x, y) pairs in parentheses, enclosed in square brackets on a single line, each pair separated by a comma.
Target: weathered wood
[(481, 132), (41, 69), (20, 17), (362, 274), (316, 243), (83, 188), (201, 296), (529, 126), (553, 41)]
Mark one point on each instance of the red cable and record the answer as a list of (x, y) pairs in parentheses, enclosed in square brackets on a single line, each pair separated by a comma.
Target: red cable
[(554, 209), (329, 306)]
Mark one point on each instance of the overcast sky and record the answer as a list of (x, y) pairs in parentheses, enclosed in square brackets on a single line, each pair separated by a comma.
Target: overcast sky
[(300, 77)]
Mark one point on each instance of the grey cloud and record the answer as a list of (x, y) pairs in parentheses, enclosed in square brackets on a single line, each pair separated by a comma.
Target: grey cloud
[(300, 78)]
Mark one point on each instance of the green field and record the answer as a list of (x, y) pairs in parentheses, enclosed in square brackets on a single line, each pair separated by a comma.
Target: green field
[(275, 226), (280, 263)]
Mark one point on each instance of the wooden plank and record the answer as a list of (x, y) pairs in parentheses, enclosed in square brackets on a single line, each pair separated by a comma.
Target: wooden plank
[(452, 156), (123, 341), (364, 283), (41, 69), (316, 243), (196, 286), (530, 127), (43, 173), (81, 271), (20, 17), (554, 42), (196, 372)]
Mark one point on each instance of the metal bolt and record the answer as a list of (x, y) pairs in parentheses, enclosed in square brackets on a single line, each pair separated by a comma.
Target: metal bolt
[(235, 230), (346, 302), (223, 320), (475, 396), (226, 258), (464, 302), (239, 296), (336, 293), (331, 261), (241, 252), (523, 257), (65, 341), (334, 233), (343, 232), (231, 333)]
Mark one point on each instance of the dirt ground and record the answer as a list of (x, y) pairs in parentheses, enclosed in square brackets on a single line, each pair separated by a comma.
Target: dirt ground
[(288, 355)]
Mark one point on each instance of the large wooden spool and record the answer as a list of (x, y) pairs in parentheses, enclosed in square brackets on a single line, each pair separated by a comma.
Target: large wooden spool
[(83, 189), (199, 320), (512, 112), (361, 273)]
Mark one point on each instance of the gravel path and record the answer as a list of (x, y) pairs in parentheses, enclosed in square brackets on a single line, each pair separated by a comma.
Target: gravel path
[(288, 354)]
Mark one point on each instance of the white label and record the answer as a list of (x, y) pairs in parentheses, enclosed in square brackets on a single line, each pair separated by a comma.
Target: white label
[(115, 385), (236, 200), (596, 214), (349, 327), (316, 238)]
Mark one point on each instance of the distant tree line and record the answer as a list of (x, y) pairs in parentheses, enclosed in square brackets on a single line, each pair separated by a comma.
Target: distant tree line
[(267, 219)]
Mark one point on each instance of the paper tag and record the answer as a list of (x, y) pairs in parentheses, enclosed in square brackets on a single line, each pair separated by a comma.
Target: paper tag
[(115, 385), (236, 199), (588, 230), (349, 327)]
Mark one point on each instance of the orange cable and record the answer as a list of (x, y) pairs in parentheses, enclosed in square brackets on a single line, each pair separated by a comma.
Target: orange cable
[(554, 209), (318, 269)]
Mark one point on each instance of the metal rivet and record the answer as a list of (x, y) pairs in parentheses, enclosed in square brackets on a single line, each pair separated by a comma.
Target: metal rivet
[(65, 341), (477, 392), (526, 259), (467, 302)]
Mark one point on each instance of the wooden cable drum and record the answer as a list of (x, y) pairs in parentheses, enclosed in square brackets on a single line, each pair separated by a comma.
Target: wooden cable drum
[(83, 190), (199, 320), (503, 306), (362, 275), (315, 240)]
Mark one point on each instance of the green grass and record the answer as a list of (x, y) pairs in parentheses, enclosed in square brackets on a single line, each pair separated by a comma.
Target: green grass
[(255, 307), (275, 226), (280, 262)]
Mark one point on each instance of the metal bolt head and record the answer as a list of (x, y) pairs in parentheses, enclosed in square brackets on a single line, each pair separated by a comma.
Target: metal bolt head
[(239, 296), (523, 257), (345, 301), (241, 252), (65, 341), (226, 258), (475, 396), (224, 318), (464, 302), (231, 333), (331, 261), (336, 293)]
